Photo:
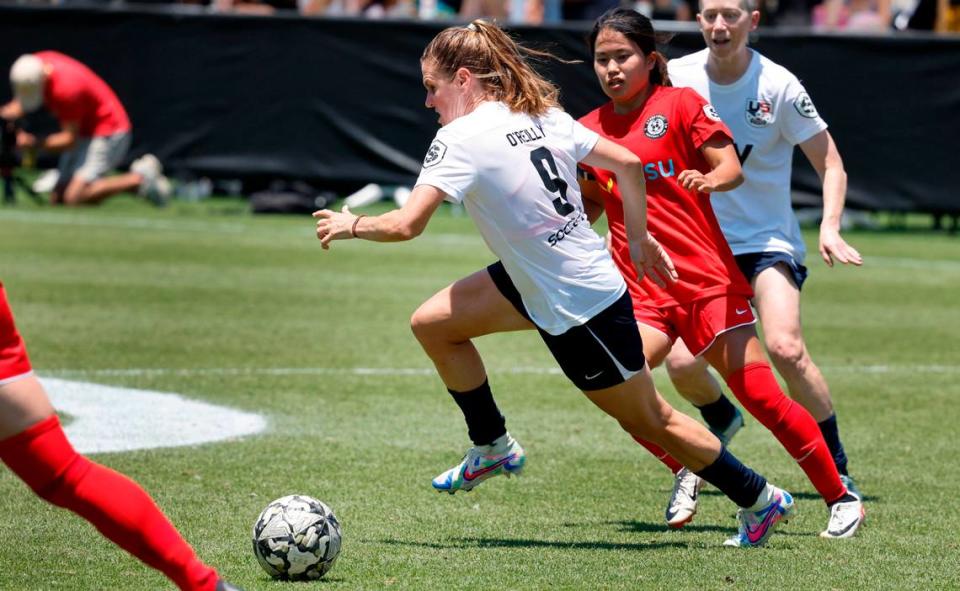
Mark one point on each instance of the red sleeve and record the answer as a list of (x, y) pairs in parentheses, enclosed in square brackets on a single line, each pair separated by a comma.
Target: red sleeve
[(701, 117)]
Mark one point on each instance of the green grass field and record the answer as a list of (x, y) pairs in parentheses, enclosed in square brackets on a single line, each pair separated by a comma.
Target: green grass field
[(250, 313)]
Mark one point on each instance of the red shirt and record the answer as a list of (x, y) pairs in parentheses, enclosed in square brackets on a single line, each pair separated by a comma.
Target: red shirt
[(667, 134), (75, 95)]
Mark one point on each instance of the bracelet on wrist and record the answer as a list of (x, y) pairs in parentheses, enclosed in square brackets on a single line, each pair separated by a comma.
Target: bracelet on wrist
[(353, 228)]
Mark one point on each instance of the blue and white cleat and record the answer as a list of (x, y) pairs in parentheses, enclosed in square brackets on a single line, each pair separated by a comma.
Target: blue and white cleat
[(757, 526), (503, 456), (727, 433)]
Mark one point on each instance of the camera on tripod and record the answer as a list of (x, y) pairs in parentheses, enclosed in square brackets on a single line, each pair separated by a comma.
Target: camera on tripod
[(9, 160)]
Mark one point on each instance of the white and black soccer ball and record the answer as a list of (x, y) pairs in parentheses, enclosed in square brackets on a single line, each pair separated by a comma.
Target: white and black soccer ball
[(296, 538)]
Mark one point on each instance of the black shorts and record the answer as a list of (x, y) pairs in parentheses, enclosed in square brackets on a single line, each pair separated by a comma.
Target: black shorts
[(604, 352), (752, 263)]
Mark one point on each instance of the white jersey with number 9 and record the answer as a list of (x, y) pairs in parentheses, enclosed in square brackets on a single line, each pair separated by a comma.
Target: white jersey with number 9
[(517, 178)]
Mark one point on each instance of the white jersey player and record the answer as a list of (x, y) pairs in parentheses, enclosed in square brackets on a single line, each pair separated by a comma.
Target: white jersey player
[(769, 112), (515, 175), (509, 154)]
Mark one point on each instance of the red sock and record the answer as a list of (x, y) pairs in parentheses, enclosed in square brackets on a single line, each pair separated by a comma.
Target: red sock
[(661, 454), (758, 391), (114, 504)]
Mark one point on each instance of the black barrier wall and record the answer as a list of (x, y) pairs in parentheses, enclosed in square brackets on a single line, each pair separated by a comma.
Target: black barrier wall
[(341, 100)]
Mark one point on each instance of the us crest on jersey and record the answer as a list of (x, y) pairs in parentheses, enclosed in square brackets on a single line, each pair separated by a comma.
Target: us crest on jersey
[(759, 112), (655, 127)]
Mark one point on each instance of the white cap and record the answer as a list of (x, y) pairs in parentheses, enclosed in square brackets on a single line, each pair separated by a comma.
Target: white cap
[(27, 77)]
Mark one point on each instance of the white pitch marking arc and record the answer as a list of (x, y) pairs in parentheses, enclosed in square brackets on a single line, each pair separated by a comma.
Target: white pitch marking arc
[(113, 419)]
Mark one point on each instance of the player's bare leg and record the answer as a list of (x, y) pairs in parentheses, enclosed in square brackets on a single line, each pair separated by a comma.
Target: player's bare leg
[(444, 325)]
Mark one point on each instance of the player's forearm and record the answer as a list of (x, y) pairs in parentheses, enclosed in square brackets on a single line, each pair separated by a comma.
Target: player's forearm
[(633, 190), (393, 226), (726, 176), (834, 196)]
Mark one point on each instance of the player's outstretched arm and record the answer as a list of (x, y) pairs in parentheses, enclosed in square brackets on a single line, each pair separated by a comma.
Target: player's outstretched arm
[(823, 154), (401, 224)]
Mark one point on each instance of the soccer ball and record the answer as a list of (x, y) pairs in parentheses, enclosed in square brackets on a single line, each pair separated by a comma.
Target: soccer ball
[(296, 538)]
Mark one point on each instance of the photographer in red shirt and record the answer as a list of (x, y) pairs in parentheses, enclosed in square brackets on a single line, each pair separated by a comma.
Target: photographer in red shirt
[(94, 131)]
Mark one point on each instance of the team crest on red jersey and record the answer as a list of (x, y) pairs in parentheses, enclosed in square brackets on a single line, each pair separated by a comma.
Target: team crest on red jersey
[(759, 112), (655, 127), (711, 112)]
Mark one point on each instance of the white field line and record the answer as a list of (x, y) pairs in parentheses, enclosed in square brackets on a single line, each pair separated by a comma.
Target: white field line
[(112, 418), (201, 226), (124, 222), (424, 371)]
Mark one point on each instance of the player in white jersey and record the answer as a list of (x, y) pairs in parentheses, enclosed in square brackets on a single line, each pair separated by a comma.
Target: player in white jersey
[(509, 154), (769, 112)]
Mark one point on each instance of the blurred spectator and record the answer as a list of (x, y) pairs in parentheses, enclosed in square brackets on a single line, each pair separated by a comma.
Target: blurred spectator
[(948, 16), (853, 15), (665, 10), (94, 130), (587, 10), (259, 7)]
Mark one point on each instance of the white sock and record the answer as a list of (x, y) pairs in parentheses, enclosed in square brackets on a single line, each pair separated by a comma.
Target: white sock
[(767, 496), (499, 445)]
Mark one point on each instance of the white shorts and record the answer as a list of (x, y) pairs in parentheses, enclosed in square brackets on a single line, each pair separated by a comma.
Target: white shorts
[(92, 158)]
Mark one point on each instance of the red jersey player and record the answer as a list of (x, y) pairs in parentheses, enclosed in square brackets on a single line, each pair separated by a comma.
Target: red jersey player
[(34, 446), (688, 153)]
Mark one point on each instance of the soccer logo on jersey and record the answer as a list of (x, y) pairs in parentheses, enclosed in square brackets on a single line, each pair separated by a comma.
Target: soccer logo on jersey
[(804, 106), (710, 112), (435, 154), (655, 127), (759, 112)]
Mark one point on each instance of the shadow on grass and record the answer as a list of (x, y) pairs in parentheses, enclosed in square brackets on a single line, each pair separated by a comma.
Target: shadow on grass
[(797, 495), (805, 495), (647, 527), (529, 543)]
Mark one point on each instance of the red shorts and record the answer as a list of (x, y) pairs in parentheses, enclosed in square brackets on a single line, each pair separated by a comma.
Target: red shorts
[(14, 363), (698, 323)]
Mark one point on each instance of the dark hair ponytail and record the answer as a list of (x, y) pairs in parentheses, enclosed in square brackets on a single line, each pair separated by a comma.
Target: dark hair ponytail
[(639, 29)]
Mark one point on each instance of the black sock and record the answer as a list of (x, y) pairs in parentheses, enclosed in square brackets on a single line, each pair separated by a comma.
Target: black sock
[(844, 499), (718, 414), (831, 433), (484, 421), (741, 484)]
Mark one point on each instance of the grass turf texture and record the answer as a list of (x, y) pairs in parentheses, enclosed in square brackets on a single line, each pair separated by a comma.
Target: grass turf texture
[(204, 286)]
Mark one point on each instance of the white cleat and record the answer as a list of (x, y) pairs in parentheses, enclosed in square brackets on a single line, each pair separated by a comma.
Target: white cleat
[(684, 498), (155, 187), (845, 519)]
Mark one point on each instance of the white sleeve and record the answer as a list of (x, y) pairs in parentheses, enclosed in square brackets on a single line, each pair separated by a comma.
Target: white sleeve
[(584, 140), (448, 167), (801, 120)]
